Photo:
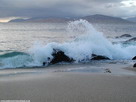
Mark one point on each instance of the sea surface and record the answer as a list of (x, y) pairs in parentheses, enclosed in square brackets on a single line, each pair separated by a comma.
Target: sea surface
[(25, 45)]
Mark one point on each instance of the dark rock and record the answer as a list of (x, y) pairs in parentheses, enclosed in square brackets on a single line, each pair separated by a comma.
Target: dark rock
[(124, 35), (99, 57), (59, 56), (130, 40), (134, 65), (44, 63), (133, 39), (134, 58)]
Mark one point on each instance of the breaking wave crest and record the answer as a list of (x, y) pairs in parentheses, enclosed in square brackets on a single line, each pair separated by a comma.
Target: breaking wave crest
[(87, 41)]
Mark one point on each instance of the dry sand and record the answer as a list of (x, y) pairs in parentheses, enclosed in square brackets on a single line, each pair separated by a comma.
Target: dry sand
[(69, 87)]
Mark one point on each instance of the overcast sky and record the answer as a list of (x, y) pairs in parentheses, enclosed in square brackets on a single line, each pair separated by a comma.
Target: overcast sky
[(66, 8)]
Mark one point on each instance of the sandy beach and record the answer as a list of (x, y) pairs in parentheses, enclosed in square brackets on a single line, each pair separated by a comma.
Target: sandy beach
[(61, 86)]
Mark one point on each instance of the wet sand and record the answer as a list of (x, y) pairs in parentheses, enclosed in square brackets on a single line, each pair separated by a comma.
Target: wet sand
[(60, 86)]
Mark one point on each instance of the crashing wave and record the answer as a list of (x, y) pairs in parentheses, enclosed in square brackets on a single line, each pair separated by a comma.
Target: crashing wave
[(88, 41)]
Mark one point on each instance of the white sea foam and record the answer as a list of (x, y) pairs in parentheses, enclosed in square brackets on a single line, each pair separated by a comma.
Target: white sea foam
[(87, 41)]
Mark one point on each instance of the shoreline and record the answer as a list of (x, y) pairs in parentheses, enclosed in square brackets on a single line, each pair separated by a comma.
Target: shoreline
[(114, 67), (68, 85)]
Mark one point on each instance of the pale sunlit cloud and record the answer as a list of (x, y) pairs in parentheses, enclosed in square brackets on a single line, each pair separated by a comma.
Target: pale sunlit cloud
[(129, 3), (7, 19)]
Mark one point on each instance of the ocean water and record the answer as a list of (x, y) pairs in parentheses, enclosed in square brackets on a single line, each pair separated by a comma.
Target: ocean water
[(31, 44)]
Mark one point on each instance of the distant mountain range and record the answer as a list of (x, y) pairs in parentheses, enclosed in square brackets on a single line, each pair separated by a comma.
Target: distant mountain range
[(133, 19), (42, 19), (104, 19), (17, 20), (92, 18)]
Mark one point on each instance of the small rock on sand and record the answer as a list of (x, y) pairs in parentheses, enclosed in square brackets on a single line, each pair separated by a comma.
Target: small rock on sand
[(107, 71)]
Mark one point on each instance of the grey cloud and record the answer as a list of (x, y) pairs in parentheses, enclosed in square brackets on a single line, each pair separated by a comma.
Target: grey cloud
[(35, 8)]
